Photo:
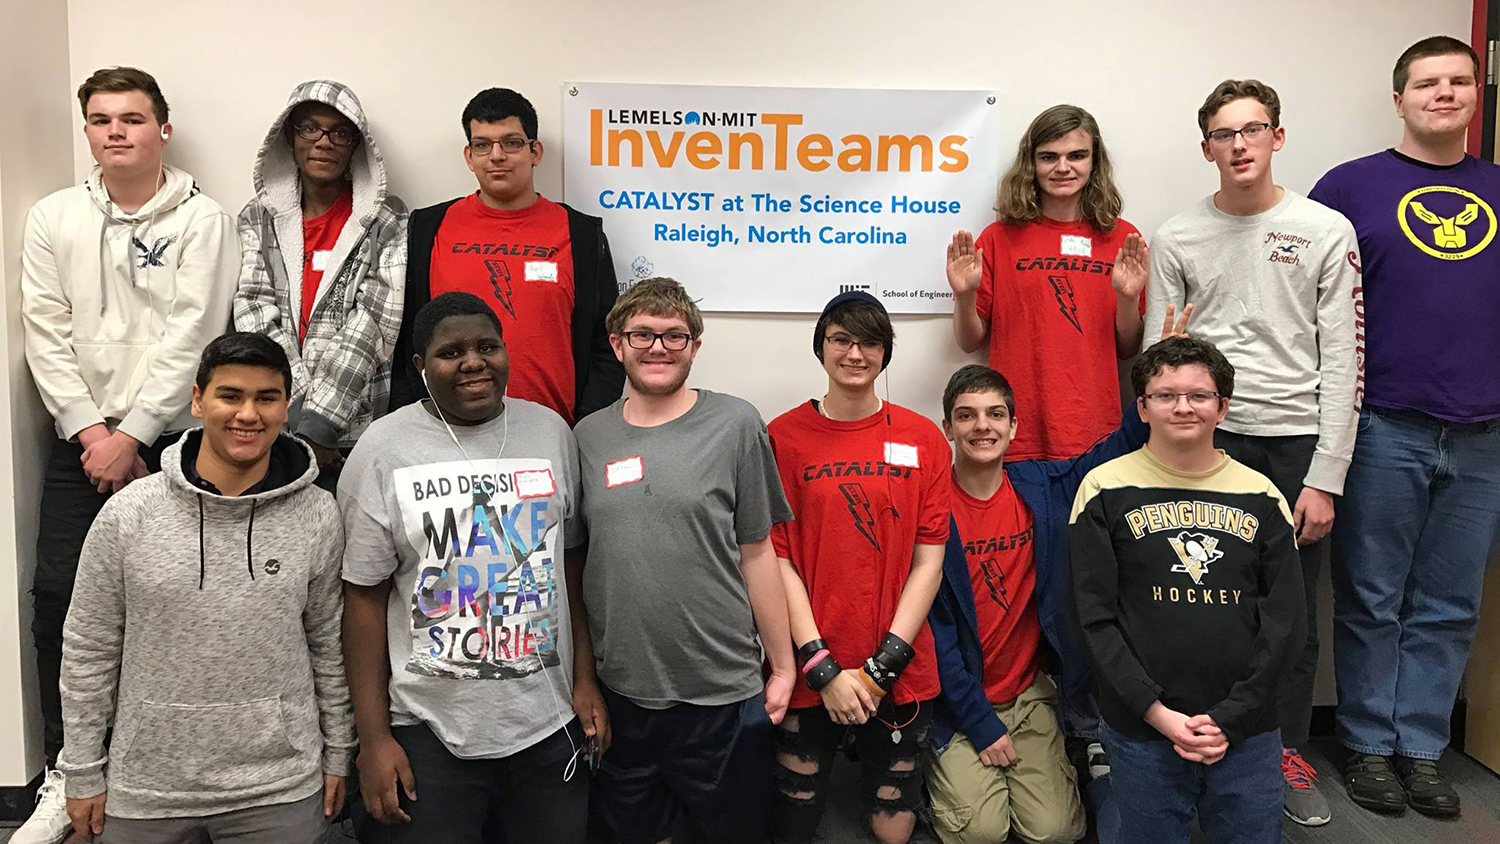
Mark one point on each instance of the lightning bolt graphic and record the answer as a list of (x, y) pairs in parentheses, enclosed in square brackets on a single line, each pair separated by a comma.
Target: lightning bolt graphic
[(994, 578), (500, 280), (859, 508), (1061, 288)]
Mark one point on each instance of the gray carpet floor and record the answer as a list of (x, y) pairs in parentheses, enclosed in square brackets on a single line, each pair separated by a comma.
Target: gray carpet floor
[(1479, 823)]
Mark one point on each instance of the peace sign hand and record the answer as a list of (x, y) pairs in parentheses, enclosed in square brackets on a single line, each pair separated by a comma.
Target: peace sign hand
[(1178, 329)]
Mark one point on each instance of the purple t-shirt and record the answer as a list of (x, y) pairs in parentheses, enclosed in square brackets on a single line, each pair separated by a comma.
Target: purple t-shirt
[(1431, 281)]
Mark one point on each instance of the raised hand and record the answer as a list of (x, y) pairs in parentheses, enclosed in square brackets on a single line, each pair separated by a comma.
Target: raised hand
[(1178, 328), (1132, 267), (965, 264)]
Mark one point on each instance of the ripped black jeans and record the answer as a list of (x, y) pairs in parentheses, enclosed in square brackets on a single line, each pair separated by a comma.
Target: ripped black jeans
[(891, 765)]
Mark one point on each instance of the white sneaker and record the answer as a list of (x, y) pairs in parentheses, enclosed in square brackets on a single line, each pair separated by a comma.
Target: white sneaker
[(49, 824)]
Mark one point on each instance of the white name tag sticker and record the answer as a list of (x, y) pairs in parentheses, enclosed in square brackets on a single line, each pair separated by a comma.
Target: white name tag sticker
[(622, 472), (320, 260), (1073, 244), (535, 483), (541, 271), (901, 454)]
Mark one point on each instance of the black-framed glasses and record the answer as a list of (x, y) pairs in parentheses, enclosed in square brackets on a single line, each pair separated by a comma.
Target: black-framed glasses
[(1250, 132), (672, 341), (1196, 398), (340, 136), (510, 144), (844, 343)]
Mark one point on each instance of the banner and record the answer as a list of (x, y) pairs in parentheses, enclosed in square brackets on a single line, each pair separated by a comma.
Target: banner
[(775, 199)]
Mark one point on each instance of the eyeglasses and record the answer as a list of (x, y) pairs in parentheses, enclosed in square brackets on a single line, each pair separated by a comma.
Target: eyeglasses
[(340, 136), (510, 144), (1250, 132), (844, 343), (672, 341), (1197, 398)]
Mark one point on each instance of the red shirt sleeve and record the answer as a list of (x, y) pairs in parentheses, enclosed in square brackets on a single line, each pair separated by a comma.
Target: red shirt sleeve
[(984, 300)]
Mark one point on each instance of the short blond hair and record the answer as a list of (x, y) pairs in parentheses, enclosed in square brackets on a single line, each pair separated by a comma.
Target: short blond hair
[(659, 297)]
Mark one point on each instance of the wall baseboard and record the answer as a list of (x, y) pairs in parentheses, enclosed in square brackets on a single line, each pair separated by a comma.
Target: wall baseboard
[(17, 801)]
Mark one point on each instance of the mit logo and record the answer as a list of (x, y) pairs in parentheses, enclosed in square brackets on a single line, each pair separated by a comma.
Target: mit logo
[(850, 288)]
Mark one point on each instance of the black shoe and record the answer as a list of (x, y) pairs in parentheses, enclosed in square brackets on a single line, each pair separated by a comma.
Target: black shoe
[(1426, 791), (1373, 784)]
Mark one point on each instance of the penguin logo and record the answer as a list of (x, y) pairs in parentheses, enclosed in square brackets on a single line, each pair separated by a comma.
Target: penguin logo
[(1195, 552)]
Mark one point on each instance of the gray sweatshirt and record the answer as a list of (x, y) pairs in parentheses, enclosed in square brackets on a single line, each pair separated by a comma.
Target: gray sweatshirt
[(204, 630), (1276, 292)]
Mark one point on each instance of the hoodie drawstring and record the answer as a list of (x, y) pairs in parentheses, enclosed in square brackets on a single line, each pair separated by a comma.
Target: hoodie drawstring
[(249, 544), (249, 540), (201, 554), (104, 262)]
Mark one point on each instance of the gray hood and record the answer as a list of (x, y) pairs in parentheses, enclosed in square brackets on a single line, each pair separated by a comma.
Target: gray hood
[(278, 187), (293, 468), (276, 180)]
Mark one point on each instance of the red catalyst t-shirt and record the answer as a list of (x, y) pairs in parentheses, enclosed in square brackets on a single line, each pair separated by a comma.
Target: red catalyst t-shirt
[(318, 237), (521, 263), (997, 546), (1047, 297), (864, 493)]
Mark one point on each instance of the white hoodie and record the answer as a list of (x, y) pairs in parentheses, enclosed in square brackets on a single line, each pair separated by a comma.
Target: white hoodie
[(118, 307)]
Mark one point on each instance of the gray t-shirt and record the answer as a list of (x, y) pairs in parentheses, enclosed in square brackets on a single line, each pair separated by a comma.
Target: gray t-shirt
[(666, 509), (477, 621), (1276, 292)]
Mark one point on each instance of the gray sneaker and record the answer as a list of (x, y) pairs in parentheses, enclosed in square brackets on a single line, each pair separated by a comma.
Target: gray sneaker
[(1304, 804)]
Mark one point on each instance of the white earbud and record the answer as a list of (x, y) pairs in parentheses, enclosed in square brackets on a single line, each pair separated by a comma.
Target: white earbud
[(164, 133)]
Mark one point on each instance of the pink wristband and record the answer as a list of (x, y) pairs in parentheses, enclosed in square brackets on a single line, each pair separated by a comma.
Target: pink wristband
[(816, 658)]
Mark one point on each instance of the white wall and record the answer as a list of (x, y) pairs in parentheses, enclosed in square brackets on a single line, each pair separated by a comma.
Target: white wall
[(34, 161), (1142, 69)]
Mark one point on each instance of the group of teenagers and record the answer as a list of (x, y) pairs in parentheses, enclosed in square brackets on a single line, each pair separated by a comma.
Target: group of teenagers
[(440, 512)]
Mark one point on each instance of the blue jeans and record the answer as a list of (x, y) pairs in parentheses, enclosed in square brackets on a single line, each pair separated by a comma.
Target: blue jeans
[(1079, 715), (1411, 537), (1237, 799)]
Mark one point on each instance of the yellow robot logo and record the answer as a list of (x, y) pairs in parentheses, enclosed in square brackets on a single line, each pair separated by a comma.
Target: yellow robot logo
[(1195, 552), (1440, 224)]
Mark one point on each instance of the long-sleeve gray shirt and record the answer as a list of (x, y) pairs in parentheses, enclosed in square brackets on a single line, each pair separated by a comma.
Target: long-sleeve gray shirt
[(204, 630), (1276, 292)]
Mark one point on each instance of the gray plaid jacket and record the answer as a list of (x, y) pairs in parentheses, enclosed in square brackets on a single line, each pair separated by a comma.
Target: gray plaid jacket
[(341, 370)]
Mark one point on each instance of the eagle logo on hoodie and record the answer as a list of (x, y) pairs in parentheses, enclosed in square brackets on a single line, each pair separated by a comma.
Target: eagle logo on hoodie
[(152, 257)]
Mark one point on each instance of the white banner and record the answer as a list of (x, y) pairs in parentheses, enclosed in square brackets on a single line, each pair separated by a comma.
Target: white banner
[(775, 199)]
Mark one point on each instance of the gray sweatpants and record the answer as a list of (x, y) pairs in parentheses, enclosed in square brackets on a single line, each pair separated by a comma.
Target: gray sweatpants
[(286, 823)]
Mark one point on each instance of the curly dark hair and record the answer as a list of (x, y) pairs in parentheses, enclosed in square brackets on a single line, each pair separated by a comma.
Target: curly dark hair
[(1182, 351)]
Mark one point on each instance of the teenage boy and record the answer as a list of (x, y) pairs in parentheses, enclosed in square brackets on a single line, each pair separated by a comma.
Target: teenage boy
[(1000, 621), (456, 630), (1038, 287), (1421, 505), (124, 279), (543, 267), (680, 489), (324, 263), (1188, 598), (204, 631), (868, 483), (1275, 278)]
